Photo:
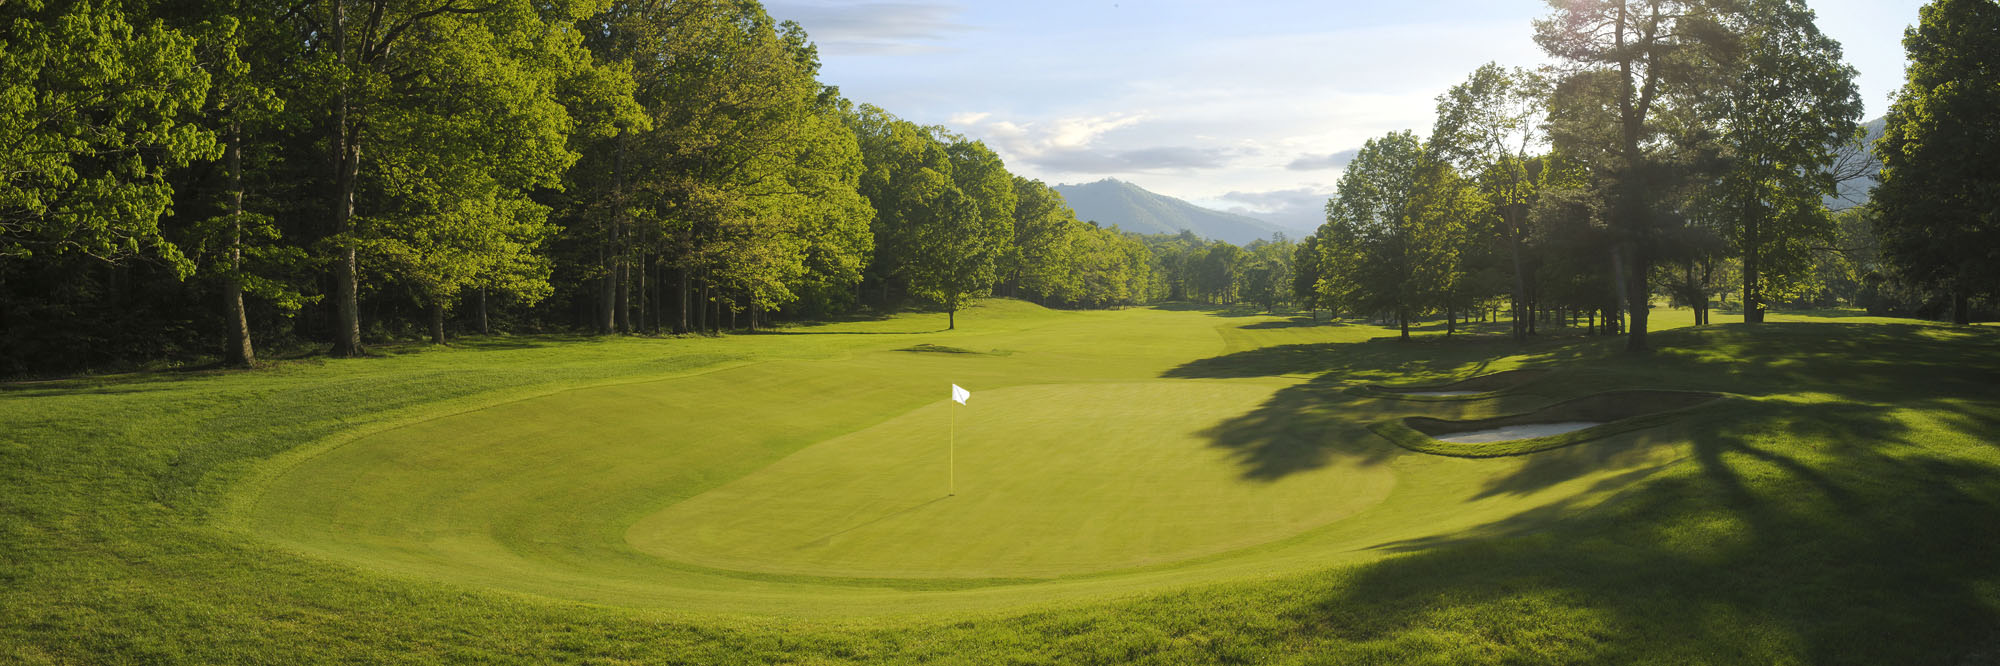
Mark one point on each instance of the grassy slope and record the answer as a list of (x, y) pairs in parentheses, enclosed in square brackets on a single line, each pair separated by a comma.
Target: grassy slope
[(1852, 520)]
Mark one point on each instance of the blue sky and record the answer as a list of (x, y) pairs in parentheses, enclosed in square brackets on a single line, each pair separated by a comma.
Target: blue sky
[(1243, 105)]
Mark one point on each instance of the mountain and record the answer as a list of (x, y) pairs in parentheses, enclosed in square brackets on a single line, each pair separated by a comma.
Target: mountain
[(1115, 202), (1854, 191)]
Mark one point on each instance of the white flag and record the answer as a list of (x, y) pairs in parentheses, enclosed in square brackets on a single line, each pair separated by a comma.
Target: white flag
[(959, 393)]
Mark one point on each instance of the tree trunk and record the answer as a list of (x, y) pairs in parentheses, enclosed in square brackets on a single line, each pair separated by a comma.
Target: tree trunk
[(484, 327), (624, 308), (1534, 304), (1961, 307), (644, 293), (701, 307), (1450, 321), (951, 318), (1631, 272), (607, 293), (240, 351), (1403, 321), (347, 165), (437, 322), (1753, 289), (681, 317)]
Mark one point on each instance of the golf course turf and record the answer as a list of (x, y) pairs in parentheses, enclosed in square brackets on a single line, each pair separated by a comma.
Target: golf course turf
[(1147, 485)]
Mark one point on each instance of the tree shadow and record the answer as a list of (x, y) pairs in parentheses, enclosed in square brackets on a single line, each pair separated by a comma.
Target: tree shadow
[(785, 332), (1852, 519), (1295, 322), (1301, 428), (1863, 549)]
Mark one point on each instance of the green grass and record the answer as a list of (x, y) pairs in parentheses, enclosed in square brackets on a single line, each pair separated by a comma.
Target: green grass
[(1153, 485)]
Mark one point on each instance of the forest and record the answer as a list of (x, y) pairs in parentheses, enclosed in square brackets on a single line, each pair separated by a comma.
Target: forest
[(194, 181)]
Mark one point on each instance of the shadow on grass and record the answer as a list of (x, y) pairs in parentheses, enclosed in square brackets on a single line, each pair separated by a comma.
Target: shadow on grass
[(1294, 322), (1851, 516), (1298, 429), (1850, 365), (786, 332), (1816, 533), (1215, 310)]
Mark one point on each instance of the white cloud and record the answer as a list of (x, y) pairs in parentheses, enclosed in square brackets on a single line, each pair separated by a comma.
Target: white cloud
[(1317, 162), (1032, 139), (875, 28), (968, 118), (1299, 209)]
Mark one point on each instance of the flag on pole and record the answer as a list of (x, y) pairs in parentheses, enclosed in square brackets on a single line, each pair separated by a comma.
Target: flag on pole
[(959, 393)]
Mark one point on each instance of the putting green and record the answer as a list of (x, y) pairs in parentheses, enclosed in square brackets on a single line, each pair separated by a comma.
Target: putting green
[(812, 482), (1139, 484)]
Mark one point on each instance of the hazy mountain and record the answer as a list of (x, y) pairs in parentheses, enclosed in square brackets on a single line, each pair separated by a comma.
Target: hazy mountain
[(1115, 202), (1854, 192)]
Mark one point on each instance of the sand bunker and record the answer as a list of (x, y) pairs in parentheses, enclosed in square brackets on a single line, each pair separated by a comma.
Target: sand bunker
[(1520, 431)]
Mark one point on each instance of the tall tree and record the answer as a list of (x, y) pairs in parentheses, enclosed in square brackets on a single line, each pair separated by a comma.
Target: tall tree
[(1627, 57), (1488, 126), (1786, 107), (468, 78), (1039, 261), (952, 246), (1938, 218), (1388, 245)]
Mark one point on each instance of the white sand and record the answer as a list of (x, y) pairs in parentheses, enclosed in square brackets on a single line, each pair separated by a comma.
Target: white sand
[(1524, 431)]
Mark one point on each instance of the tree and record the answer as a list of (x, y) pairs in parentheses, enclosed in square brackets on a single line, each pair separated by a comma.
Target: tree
[(1388, 245), (1267, 272), (93, 112), (896, 155), (432, 84), (953, 248), (1788, 104), (1487, 126), (1306, 275), (1624, 59), (1039, 260), (1938, 218)]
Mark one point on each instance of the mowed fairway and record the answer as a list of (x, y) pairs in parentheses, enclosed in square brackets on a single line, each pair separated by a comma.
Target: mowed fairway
[(1092, 461)]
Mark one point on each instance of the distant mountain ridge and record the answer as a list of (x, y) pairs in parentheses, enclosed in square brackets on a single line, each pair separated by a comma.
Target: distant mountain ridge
[(1132, 208)]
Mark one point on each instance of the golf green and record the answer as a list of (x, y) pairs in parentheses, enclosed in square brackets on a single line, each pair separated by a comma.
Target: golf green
[(1139, 482), (818, 485)]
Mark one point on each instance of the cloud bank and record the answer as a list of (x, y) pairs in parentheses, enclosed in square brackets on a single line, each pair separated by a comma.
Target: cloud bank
[(875, 28)]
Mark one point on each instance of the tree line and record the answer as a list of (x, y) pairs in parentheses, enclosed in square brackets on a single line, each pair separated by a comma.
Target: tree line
[(186, 176), (1678, 148)]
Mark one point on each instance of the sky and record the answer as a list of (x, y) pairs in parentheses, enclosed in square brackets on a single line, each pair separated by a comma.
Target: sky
[(1250, 105)]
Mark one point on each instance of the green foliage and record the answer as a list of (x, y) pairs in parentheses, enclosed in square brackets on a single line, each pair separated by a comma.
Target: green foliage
[(93, 113), (1394, 238), (1629, 64), (1941, 153), (1787, 107)]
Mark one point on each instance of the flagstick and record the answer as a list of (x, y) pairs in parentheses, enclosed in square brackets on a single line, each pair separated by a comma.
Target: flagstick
[(951, 454)]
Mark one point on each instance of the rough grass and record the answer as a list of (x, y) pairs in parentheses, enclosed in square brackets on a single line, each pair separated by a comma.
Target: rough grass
[(1847, 512)]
